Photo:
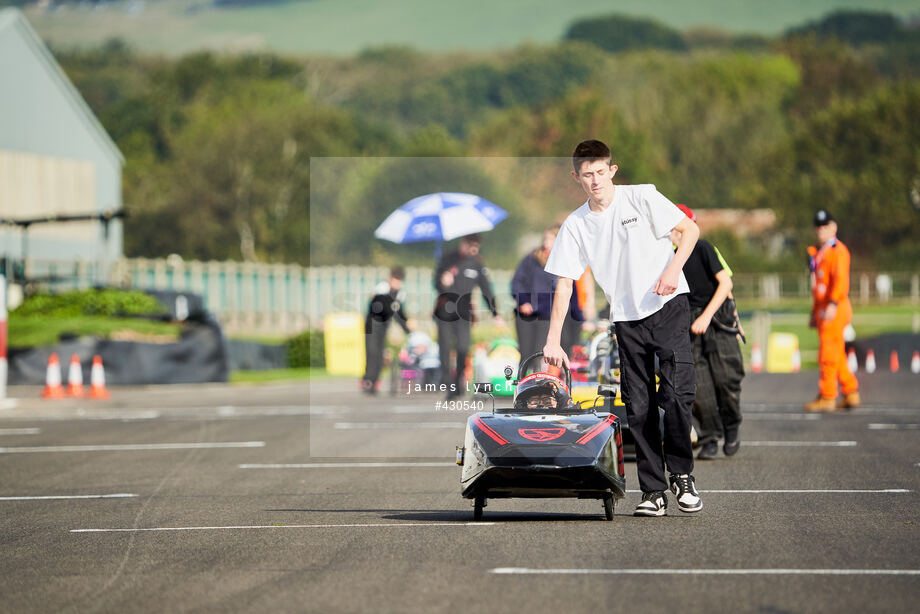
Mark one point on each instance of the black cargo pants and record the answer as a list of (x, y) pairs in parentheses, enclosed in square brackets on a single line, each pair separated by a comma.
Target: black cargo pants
[(719, 371), (665, 333), (453, 335), (375, 340)]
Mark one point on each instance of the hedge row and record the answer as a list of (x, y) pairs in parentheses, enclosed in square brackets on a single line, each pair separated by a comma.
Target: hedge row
[(92, 302), (308, 349)]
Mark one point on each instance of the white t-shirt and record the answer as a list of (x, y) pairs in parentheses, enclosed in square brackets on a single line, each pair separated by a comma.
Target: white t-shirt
[(627, 247)]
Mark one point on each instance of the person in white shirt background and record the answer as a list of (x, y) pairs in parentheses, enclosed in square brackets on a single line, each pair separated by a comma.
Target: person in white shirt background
[(623, 233)]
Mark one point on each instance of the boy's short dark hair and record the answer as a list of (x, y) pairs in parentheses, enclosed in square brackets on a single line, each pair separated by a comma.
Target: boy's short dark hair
[(473, 239), (589, 151), (397, 272)]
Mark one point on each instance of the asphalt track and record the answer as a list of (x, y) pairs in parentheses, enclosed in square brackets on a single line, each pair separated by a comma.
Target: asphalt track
[(238, 499)]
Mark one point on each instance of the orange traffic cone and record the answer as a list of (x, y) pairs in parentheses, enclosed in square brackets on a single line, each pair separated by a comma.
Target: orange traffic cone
[(852, 362), (97, 388), (796, 361), (75, 377), (915, 362), (756, 358), (870, 362), (53, 388), (894, 364)]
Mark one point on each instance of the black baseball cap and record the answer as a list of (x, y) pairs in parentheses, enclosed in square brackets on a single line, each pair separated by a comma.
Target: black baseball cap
[(822, 218)]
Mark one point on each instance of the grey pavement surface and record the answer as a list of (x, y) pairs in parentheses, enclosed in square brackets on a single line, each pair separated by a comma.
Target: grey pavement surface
[(313, 498)]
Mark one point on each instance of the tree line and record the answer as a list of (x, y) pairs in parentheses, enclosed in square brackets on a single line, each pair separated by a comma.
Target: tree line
[(218, 148)]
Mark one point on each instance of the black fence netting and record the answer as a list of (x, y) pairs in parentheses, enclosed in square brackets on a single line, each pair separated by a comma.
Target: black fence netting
[(905, 344), (200, 355)]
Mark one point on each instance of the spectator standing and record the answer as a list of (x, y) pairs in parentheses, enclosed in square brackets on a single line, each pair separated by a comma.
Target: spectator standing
[(582, 313), (386, 305), (456, 276), (532, 289)]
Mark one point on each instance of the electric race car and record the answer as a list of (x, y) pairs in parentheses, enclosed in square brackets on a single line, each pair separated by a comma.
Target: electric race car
[(543, 445)]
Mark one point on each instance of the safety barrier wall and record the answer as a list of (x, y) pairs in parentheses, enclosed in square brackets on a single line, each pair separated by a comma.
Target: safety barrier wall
[(281, 299)]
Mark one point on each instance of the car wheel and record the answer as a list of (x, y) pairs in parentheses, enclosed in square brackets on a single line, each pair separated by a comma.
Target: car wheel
[(478, 504), (608, 507)]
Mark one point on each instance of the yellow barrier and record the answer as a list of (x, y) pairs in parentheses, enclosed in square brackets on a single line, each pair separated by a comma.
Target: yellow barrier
[(344, 337), (782, 352)]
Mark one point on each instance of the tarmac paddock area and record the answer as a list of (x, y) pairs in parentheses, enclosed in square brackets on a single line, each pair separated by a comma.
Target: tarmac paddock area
[(296, 497)]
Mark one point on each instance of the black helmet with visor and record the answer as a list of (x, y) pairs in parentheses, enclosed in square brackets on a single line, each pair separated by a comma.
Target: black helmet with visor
[(540, 391)]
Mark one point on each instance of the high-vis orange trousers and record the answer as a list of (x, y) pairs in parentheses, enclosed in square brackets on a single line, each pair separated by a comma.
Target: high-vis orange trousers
[(832, 358)]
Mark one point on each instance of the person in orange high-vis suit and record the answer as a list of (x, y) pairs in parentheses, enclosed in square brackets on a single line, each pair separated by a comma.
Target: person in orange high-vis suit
[(831, 311)]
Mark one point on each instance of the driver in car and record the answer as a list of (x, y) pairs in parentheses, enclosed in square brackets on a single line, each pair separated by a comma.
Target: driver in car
[(542, 400), (541, 390)]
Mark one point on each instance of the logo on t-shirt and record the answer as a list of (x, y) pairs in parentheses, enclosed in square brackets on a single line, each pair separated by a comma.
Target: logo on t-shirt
[(471, 273), (630, 221)]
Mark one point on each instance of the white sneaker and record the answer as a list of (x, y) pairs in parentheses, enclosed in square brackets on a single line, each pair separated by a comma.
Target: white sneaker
[(652, 504), (688, 498)]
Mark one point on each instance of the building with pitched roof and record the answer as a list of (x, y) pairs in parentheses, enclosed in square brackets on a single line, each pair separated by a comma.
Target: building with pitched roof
[(56, 161)]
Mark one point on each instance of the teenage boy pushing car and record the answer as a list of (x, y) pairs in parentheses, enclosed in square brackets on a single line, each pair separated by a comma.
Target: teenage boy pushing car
[(623, 233)]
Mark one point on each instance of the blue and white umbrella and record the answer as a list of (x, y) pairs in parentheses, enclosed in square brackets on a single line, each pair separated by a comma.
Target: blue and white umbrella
[(440, 217)]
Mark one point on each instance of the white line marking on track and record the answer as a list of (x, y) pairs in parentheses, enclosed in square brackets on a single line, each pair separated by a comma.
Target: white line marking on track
[(31, 431), (709, 572), (232, 411), (875, 426), (80, 414), (781, 416), (120, 495), (326, 409), (398, 425), (223, 412), (827, 491), (294, 526), (412, 409), (796, 408), (756, 407), (799, 491), (342, 465), (135, 447), (141, 414), (800, 444), (367, 465)]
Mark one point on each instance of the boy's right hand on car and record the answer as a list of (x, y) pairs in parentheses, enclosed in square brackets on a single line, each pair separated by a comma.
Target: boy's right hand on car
[(554, 355)]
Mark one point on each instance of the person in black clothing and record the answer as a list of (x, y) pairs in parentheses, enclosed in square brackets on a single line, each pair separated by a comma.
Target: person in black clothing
[(454, 279), (532, 289), (716, 354), (385, 306)]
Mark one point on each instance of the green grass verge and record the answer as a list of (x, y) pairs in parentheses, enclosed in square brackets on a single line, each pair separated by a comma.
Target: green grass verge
[(280, 375), (41, 331)]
